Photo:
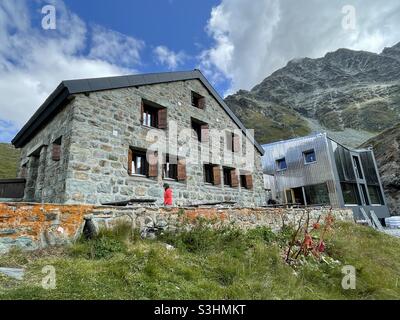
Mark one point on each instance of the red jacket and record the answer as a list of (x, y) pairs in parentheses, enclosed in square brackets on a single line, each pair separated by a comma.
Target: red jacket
[(168, 197)]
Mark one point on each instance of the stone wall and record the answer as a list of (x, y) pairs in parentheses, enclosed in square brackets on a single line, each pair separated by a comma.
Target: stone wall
[(46, 178), (32, 226), (99, 128)]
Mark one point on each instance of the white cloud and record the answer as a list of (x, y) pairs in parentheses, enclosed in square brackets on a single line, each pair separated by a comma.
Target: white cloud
[(168, 57), (33, 61), (254, 38), (115, 47)]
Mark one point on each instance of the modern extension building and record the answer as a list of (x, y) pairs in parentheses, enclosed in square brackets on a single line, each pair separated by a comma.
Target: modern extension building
[(317, 171), (92, 142)]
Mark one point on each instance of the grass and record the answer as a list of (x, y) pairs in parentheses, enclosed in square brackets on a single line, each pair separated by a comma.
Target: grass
[(9, 158), (208, 264)]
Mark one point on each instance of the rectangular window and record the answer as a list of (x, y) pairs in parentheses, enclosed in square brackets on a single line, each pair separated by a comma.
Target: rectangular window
[(350, 193), (309, 156), (232, 141), (317, 194), (227, 176), (281, 164), (357, 166), (200, 129), (170, 167), (150, 116), (364, 193), (375, 195), (56, 150), (246, 181), (139, 163), (153, 115), (209, 173), (198, 101)]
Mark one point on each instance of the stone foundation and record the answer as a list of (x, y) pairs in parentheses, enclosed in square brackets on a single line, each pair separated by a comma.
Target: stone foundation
[(32, 226)]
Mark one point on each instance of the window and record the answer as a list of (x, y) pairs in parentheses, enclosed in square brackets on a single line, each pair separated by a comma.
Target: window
[(281, 164), (309, 156), (198, 101), (230, 177), (232, 141), (357, 166), (170, 167), (227, 177), (56, 150), (174, 168), (200, 129), (375, 195), (317, 194), (139, 165), (208, 173), (246, 181), (364, 193), (350, 193), (154, 116)]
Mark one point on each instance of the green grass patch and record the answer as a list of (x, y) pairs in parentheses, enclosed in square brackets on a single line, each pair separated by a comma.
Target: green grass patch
[(9, 158), (208, 264)]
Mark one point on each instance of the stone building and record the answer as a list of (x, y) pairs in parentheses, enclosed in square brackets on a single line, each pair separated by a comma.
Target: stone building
[(112, 139)]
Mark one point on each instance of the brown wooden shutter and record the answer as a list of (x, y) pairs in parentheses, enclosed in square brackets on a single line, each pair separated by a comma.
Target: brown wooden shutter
[(181, 169), (205, 136), (236, 143), (249, 181), (217, 175), (153, 164), (202, 103), (141, 112), (56, 152), (234, 178), (130, 159), (162, 118)]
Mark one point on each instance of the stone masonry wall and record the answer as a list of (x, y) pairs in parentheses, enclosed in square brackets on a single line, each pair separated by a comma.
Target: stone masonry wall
[(32, 226), (105, 124), (46, 178)]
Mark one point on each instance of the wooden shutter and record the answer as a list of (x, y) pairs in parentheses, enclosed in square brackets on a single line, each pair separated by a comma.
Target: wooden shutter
[(162, 118), (236, 143), (153, 164), (181, 169), (130, 158), (141, 111), (249, 181), (202, 103), (56, 152), (234, 178), (217, 175), (205, 136)]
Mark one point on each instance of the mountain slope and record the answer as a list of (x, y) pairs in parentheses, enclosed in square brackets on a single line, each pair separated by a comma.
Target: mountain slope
[(9, 158), (387, 152), (343, 91)]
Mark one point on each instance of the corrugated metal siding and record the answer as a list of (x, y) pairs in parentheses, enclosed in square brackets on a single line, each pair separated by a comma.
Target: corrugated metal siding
[(298, 173)]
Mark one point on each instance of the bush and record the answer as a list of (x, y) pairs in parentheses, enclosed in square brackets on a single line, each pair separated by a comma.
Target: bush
[(106, 243)]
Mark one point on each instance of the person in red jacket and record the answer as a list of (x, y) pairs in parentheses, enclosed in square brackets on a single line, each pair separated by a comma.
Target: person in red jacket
[(167, 195)]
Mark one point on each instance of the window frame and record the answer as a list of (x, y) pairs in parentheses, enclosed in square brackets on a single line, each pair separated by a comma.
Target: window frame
[(277, 161), (170, 170), (195, 99), (149, 110), (138, 153), (227, 179), (305, 156), (208, 172)]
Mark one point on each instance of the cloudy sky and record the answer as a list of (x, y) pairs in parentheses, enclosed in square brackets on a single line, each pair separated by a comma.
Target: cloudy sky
[(236, 43)]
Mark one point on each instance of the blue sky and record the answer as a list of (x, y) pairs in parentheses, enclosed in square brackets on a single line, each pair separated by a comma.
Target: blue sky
[(235, 43)]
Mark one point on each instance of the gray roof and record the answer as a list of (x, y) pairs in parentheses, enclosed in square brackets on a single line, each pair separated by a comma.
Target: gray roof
[(63, 94)]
